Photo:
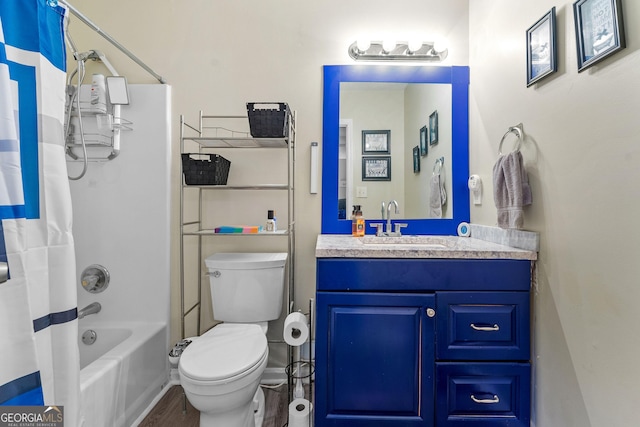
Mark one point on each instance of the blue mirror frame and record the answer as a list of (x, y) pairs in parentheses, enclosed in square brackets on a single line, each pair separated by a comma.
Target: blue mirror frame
[(458, 78)]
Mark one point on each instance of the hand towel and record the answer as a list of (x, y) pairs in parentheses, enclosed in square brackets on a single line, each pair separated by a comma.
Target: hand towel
[(511, 190), (435, 197), (443, 192)]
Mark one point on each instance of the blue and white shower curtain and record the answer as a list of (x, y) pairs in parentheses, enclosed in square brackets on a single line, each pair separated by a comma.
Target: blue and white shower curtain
[(38, 304)]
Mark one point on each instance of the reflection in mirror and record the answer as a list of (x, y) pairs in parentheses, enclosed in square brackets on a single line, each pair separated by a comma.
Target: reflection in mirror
[(402, 111), (401, 100)]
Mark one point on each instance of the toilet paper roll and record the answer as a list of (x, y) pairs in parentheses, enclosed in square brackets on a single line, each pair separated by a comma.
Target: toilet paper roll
[(300, 413), (296, 330)]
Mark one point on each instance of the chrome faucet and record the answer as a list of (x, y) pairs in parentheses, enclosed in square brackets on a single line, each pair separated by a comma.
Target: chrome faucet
[(392, 202), (380, 226), (92, 308)]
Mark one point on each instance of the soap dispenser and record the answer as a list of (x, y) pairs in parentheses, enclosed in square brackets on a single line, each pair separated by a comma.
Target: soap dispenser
[(354, 222), (357, 222)]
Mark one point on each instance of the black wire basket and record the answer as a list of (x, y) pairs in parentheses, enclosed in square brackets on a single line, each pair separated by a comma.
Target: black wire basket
[(205, 169), (265, 121)]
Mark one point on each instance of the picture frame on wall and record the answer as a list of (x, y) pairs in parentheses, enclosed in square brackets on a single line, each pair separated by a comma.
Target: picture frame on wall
[(376, 141), (433, 128), (416, 159), (542, 56), (599, 30), (376, 168), (424, 132)]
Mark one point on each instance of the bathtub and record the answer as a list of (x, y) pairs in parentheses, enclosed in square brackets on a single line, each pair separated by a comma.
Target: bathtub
[(121, 372)]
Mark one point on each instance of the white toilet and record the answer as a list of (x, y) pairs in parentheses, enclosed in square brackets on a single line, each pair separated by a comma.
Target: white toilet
[(220, 371)]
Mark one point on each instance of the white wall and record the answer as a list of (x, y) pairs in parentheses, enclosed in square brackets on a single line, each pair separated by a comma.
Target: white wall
[(421, 102), (376, 110), (583, 160)]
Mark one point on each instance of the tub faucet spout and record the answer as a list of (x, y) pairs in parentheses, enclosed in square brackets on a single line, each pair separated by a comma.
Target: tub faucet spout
[(92, 308)]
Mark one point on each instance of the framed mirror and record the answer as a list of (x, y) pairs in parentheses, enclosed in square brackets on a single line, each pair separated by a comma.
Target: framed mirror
[(343, 130)]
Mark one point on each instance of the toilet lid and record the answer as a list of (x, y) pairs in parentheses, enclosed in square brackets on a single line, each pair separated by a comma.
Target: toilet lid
[(226, 351)]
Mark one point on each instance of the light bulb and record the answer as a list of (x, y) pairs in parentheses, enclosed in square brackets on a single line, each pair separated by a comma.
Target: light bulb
[(388, 46), (414, 46), (362, 45), (440, 45)]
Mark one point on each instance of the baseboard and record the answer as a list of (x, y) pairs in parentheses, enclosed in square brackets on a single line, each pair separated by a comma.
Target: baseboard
[(154, 402), (273, 376)]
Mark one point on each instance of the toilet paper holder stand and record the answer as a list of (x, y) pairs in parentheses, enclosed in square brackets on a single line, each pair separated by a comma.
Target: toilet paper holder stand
[(299, 370)]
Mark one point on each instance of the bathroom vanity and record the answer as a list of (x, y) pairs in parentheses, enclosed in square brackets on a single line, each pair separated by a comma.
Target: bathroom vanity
[(422, 331)]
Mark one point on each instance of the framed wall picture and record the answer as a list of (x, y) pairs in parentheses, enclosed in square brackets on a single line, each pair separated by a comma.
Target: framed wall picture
[(376, 168), (433, 128), (599, 30), (541, 48), (416, 159), (424, 132), (376, 141)]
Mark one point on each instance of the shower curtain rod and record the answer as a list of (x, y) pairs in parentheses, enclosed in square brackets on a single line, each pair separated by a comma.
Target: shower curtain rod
[(111, 40)]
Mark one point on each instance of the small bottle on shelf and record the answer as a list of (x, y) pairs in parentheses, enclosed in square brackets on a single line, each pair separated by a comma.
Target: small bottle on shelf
[(271, 221)]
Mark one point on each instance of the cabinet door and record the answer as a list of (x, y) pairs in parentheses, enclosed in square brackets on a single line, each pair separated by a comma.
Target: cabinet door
[(374, 359)]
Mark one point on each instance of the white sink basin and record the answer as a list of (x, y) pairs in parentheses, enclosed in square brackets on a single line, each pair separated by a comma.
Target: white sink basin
[(436, 242)]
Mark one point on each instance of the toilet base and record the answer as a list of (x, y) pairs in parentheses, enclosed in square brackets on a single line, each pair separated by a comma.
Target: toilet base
[(258, 407), (239, 417)]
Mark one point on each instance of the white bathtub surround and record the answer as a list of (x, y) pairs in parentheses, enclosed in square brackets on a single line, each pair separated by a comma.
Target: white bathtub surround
[(121, 212)]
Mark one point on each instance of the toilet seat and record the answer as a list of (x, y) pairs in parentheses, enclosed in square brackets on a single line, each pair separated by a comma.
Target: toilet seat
[(225, 353)]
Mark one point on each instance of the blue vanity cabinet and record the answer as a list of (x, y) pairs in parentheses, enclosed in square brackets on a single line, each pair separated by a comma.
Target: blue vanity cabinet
[(376, 361), (422, 342)]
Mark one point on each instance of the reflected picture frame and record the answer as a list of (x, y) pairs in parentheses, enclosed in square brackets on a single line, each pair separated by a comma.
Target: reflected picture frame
[(599, 30), (424, 132), (542, 52), (416, 159), (433, 128), (376, 168), (376, 141)]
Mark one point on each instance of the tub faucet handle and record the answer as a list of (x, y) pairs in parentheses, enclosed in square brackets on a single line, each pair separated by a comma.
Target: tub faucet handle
[(95, 278)]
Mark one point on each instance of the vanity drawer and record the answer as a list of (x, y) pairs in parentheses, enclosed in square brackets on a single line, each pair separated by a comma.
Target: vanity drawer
[(483, 394), (482, 326)]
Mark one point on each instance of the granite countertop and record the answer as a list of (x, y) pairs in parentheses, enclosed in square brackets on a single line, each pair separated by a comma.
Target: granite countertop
[(346, 246)]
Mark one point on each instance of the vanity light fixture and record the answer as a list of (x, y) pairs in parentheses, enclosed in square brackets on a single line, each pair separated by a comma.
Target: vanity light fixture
[(402, 51)]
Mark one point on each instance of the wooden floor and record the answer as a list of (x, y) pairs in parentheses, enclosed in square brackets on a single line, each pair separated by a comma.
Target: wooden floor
[(168, 411)]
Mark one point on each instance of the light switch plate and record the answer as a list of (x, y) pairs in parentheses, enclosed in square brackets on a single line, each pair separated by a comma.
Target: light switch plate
[(361, 191)]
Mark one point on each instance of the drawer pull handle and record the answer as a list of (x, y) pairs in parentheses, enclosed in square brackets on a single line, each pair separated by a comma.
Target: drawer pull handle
[(495, 399), (495, 327)]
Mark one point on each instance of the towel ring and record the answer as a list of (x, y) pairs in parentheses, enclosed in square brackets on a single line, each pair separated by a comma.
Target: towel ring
[(438, 165), (517, 129)]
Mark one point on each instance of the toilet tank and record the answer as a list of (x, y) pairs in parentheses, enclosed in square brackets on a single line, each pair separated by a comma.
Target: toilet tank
[(246, 287)]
